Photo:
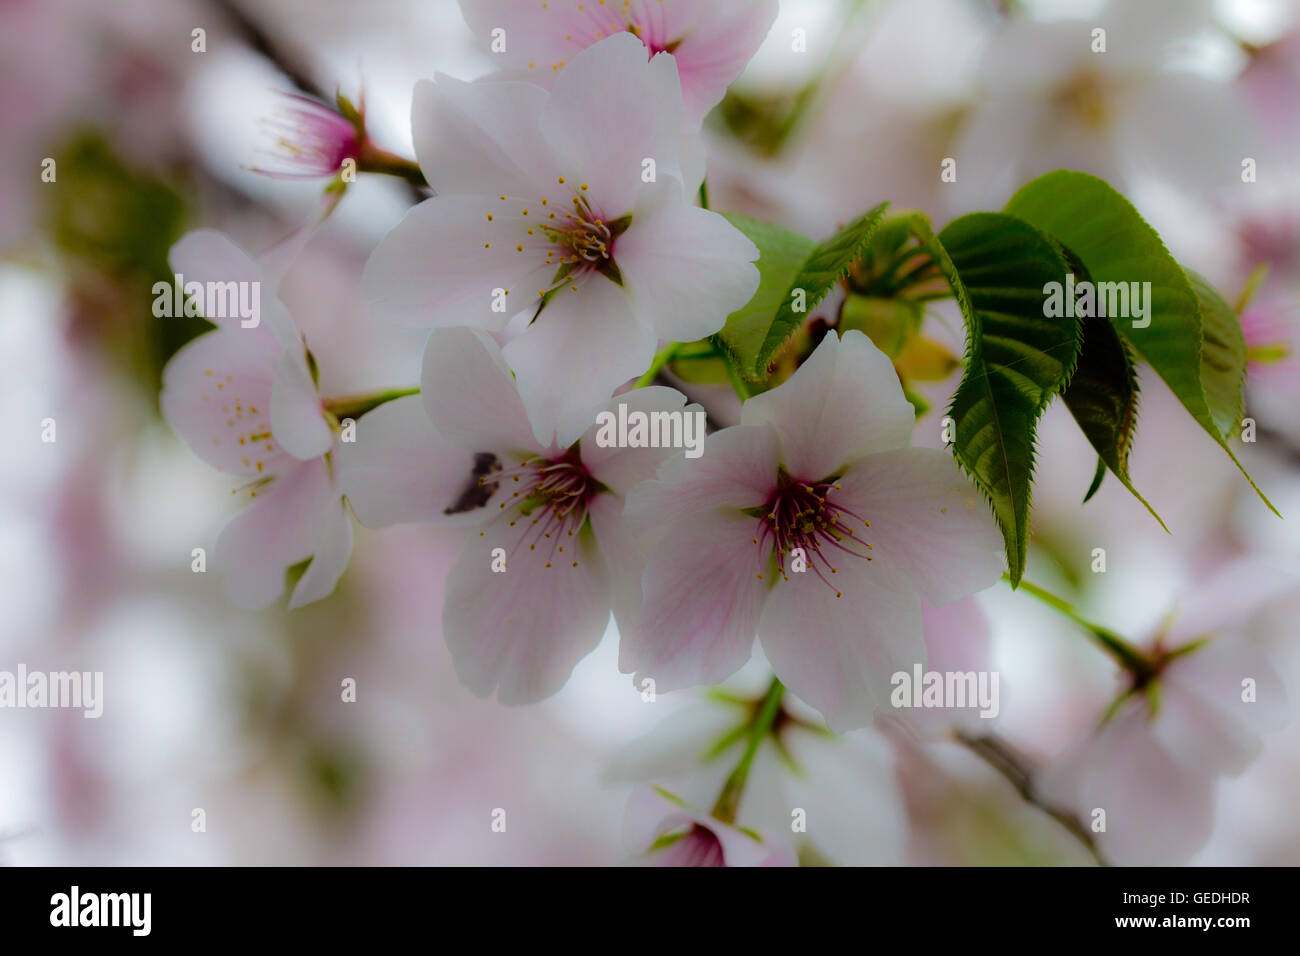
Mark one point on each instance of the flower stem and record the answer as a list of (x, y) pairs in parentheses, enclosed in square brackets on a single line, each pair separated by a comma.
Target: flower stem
[(372, 159), (728, 803), (663, 358), (354, 406), (704, 193), (999, 755), (1124, 653), (737, 383)]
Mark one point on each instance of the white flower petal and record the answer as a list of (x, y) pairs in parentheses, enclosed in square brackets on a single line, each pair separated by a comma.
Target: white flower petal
[(702, 600), (685, 268), (928, 519), (479, 138), (839, 653), (278, 530), (470, 395), (584, 345), (329, 559), (621, 468), (609, 111), (737, 470), (446, 263), (844, 402), (520, 632), (400, 470), (217, 396), (297, 419)]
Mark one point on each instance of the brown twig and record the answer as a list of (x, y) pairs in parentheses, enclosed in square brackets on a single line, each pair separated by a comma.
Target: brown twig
[(1004, 758)]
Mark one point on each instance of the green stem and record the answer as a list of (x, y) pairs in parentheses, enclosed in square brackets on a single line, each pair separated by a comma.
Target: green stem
[(372, 159), (354, 406), (704, 193), (663, 358), (737, 382), (1124, 653), (728, 803)]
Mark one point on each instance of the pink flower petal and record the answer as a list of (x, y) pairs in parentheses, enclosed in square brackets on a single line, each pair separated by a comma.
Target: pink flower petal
[(1228, 599), (625, 554), (711, 42), (1204, 722), (609, 111), (208, 256), (1157, 811), (838, 653), (297, 418), (400, 470), (217, 395), (470, 395), (480, 138), (737, 470), (957, 641), (543, 36), (718, 40), (278, 530), (520, 632), (927, 519), (844, 402), (702, 598), (330, 556), (620, 469), (583, 346), (443, 264), (685, 268), (707, 841)]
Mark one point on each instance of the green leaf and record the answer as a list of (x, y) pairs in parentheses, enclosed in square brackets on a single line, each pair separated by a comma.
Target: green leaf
[(887, 322), (781, 253), (1018, 358), (825, 266), (1103, 398), (1187, 340), (700, 363), (1223, 356), (1103, 394), (1097, 477)]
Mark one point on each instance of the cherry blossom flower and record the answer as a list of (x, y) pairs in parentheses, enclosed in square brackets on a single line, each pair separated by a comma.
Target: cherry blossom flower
[(665, 831), (844, 784), (548, 516), (245, 401), (310, 139), (711, 42), (1153, 764), (819, 464), (957, 641), (543, 201), (1119, 105)]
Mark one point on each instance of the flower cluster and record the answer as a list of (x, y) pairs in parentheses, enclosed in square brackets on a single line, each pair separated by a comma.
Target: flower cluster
[(562, 253)]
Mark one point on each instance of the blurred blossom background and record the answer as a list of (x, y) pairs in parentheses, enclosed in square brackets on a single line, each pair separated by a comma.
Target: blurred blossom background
[(239, 713)]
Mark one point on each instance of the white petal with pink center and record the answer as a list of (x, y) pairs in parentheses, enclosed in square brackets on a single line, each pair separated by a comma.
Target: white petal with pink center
[(711, 41), (546, 199), (244, 400), (813, 527), (663, 831), (1153, 765), (548, 555)]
